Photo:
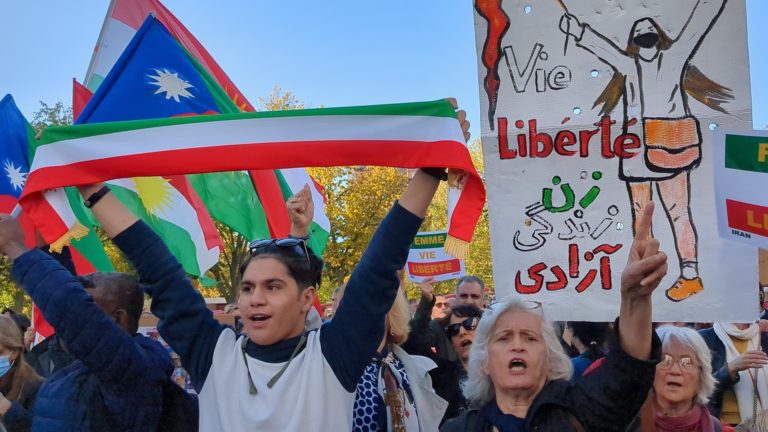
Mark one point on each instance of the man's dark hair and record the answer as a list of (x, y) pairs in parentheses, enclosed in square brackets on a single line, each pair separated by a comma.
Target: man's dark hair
[(461, 311), (470, 279), (123, 290), (305, 274)]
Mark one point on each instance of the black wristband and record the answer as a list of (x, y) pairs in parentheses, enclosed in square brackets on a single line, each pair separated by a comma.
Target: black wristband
[(96, 196), (441, 174)]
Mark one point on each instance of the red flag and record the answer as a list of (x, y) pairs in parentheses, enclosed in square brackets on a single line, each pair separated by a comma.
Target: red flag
[(80, 98)]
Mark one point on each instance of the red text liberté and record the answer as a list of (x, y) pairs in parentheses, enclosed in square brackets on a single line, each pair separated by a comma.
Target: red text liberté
[(535, 144)]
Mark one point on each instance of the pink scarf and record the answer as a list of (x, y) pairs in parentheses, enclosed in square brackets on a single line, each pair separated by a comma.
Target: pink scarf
[(696, 420)]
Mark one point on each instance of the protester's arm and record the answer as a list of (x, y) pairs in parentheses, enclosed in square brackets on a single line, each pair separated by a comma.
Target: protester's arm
[(352, 337), (645, 269), (420, 337), (185, 322), (610, 396), (108, 351)]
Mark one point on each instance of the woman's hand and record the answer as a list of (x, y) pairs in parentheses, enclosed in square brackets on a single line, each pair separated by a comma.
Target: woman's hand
[(570, 25), (646, 265), (748, 360)]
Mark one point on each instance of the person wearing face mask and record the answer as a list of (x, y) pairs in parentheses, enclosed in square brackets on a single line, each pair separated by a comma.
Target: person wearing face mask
[(652, 80), (19, 383)]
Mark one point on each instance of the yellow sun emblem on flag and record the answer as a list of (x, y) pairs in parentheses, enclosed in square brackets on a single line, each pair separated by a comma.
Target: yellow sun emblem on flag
[(155, 193)]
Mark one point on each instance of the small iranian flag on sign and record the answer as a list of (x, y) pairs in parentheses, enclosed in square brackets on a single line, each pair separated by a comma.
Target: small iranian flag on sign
[(427, 259), (741, 179)]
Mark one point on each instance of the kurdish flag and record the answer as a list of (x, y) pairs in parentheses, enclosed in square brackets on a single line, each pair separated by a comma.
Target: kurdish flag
[(399, 135), (741, 176), (123, 20)]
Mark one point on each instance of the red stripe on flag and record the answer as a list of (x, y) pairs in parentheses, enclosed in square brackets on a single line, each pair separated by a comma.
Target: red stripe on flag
[(211, 234), (434, 268), (80, 97), (40, 324), (284, 154), (747, 217), (49, 223), (271, 197)]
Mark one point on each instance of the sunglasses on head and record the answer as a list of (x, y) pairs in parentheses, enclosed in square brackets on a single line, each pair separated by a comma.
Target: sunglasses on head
[(297, 245), (469, 324)]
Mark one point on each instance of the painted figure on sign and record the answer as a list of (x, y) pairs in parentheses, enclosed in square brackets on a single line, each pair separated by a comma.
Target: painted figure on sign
[(652, 80)]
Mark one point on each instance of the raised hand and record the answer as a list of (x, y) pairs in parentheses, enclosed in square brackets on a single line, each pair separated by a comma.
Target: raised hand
[(570, 25), (427, 288), (748, 360), (301, 210), (11, 237), (646, 265)]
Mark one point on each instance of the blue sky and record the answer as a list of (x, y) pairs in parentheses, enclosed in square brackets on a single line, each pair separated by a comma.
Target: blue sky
[(329, 53)]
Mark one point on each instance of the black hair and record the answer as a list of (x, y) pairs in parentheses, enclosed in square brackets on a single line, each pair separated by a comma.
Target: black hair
[(121, 288), (593, 335), (461, 311), (295, 261)]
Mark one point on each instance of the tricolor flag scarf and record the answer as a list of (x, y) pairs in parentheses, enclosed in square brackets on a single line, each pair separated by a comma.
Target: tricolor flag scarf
[(411, 135)]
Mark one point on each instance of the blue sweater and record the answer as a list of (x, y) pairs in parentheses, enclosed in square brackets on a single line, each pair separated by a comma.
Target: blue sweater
[(117, 382), (348, 342)]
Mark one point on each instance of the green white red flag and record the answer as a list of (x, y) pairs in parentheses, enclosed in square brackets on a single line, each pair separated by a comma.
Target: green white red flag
[(400, 135)]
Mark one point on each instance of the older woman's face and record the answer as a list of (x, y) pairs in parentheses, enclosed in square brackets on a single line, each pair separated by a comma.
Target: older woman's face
[(677, 376), (517, 354)]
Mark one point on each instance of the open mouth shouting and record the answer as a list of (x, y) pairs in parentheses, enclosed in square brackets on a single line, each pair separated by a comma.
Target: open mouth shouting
[(517, 366)]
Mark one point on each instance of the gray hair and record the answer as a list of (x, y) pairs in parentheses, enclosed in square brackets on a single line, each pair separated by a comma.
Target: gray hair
[(478, 387), (692, 339)]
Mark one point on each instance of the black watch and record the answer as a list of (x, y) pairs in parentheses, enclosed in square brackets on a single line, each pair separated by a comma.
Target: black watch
[(96, 196), (441, 174)]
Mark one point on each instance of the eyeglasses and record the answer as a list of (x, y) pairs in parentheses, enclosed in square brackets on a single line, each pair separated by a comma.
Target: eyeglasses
[(297, 245), (686, 363), (469, 324)]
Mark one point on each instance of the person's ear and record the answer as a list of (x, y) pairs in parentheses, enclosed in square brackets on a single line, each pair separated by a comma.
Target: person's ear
[(121, 318), (307, 298)]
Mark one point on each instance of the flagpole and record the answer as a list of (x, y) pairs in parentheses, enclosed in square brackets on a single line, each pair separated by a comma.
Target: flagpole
[(16, 212)]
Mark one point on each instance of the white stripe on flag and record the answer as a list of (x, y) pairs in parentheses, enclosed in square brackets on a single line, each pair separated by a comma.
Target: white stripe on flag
[(116, 37), (207, 134), (177, 210)]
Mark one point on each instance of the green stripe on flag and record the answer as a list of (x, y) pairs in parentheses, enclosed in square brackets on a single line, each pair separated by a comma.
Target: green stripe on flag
[(746, 153), (231, 199), (438, 108)]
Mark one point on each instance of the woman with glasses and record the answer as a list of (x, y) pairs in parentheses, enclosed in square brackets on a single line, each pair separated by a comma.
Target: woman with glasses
[(459, 325), (682, 386), (519, 376)]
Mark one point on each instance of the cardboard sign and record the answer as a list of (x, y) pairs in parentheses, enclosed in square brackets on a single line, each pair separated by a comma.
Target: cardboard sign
[(428, 259), (741, 186), (592, 108)]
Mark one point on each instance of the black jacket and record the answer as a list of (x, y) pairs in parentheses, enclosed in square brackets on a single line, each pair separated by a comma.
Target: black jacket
[(607, 399), (427, 336), (720, 368)]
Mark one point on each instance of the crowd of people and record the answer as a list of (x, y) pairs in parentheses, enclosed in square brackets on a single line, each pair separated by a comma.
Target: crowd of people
[(469, 365)]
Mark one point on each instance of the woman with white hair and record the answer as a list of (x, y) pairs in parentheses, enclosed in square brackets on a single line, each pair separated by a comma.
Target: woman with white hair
[(682, 387), (518, 375)]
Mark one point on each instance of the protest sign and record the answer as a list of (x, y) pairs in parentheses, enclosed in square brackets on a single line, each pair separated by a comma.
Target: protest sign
[(427, 258), (741, 186), (592, 108)]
